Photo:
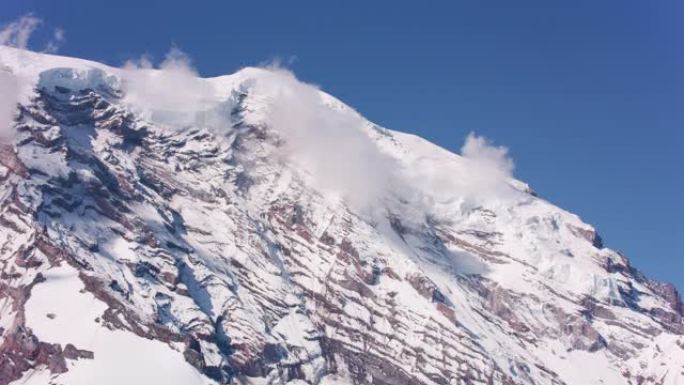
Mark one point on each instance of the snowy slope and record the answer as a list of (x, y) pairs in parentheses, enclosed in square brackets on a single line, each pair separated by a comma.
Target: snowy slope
[(156, 227)]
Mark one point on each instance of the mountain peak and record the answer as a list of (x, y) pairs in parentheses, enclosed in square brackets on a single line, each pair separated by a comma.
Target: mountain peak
[(252, 229)]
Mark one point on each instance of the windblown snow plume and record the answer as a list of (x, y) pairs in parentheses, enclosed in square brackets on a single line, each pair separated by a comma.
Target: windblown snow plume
[(9, 96), (490, 167), (334, 144), (15, 34), (58, 38), (325, 138), (492, 159), (135, 249), (15, 87), (172, 94), (18, 32), (436, 184)]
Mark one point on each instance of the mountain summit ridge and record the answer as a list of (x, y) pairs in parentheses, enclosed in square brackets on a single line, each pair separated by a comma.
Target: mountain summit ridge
[(156, 227)]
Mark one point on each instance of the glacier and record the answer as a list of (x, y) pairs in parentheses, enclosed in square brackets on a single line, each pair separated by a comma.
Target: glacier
[(158, 227)]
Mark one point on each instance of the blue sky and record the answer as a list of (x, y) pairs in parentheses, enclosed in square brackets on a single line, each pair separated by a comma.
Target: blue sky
[(588, 95)]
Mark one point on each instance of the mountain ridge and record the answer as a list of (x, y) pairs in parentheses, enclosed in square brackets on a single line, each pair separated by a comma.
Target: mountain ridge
[(251, 229)]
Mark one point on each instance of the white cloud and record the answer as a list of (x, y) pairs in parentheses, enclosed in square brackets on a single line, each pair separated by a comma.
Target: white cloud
[(328, 142), (18, 32), (172, 94), (15, 34), (438, 183), (493, 160), (53, 45), (325, 139), (9, 97), (489, 169), (332, 143)]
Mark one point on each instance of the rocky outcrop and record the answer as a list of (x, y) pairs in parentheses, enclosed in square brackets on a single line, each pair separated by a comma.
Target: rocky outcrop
[(208, 242)]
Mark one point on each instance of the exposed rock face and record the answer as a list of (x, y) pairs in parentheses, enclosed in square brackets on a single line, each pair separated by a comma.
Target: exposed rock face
[(22, 351), (207, 242)]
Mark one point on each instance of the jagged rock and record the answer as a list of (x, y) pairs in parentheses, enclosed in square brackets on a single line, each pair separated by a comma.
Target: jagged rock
[(72, 353), (213, 247)]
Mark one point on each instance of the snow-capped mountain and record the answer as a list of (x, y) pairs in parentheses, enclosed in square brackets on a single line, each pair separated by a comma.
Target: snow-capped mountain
[(158, 228)]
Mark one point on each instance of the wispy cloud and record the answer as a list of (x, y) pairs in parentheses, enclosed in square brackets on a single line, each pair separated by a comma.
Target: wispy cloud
[(55, 43), (493, 162), (18, 32), (489, 170), (171, 93), (495, 158), (9, 97), (327, 142), (332, 143), (15, 34)]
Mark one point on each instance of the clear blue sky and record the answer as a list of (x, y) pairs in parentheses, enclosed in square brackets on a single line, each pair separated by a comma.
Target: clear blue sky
[(588, 95)]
